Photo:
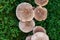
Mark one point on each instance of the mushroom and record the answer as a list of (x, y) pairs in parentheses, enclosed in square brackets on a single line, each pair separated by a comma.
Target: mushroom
[(26, 26), (24, 12), (39, 29), (40, 13), (41, 2), (28, 37), (40, 36)]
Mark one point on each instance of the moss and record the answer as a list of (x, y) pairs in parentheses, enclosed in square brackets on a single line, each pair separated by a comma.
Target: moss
[(9, 29)]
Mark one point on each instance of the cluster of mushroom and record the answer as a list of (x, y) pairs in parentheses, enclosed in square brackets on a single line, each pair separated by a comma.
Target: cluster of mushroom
[(39, 33), (25, 12)]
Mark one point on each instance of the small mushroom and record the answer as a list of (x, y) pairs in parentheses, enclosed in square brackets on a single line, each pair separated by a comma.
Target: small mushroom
[(40, 36), (26, 26), (41, 2), (39, 29), (40, 13), (28, 37), (24, 12)]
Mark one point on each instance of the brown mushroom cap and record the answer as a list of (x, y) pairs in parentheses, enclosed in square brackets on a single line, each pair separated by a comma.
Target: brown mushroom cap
[(24, 12), (39, 29), (41, 2), (40, 13), (28, 37), (40, 36), (26, 26)]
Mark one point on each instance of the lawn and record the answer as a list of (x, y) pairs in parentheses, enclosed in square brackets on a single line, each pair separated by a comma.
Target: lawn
[(9, 29)]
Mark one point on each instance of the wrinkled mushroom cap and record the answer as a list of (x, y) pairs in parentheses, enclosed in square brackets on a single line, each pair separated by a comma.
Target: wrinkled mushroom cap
[(40, 36), (24, 12), (28, 37), (26, 26), (40, 13), (39, 29), (41, 2)]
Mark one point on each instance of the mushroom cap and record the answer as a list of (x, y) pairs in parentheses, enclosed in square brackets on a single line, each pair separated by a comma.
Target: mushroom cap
[(24, 12), (40, 13), (41, 2), (40, 36), (28, 37), (26, 26), (39, 29)]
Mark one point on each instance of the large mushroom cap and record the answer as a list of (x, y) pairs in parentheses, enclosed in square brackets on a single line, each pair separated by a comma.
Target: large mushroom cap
[(28, 37), (39, 29), (40, 36), (40, 13), (41, 2), (24, 12), (26, 26)]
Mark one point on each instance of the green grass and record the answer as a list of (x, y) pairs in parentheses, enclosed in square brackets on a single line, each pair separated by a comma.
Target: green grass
[(9, 29)]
